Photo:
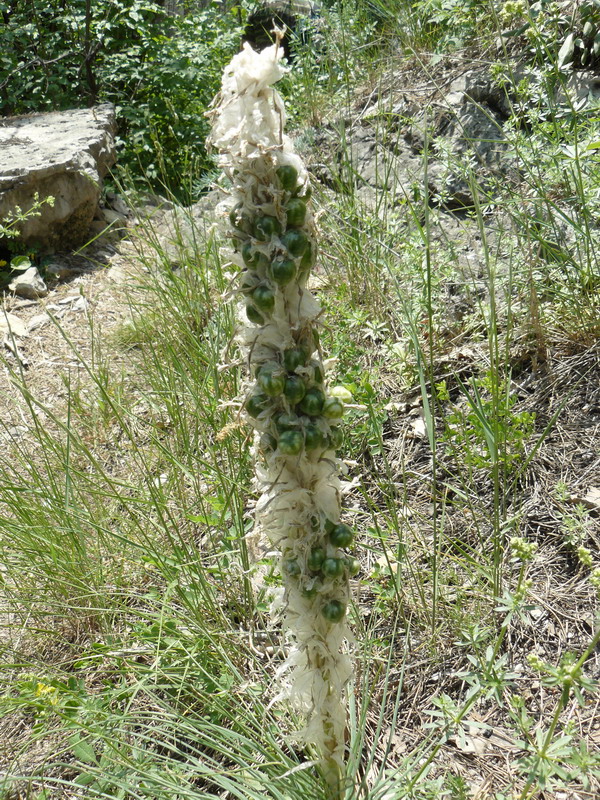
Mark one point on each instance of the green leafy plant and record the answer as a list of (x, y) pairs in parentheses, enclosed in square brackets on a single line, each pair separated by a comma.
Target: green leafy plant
[(159, 70), (9, 234)]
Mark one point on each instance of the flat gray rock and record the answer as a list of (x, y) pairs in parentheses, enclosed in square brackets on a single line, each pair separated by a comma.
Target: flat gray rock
[(64, 155)]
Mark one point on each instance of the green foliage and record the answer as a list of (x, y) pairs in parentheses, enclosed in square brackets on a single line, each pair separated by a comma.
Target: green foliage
[(9, 236), (482, 429), (563, 34), (160, 71)]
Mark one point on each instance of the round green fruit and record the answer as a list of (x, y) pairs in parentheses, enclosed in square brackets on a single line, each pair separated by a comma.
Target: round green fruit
[(341, 536), (268, 443), (309, 257), (291, 443), (317, 372), (267, 366), (238, 220), (334, 610), (294, 357), (288, 177), (336, 437), (291, 567), (333, 408), (333, 567), (254, 315), (315, 559), (313, 437), (295, 213), (287, 422), (254, 258), (295, 389), (312, 402), (257, 403), (353, 566), (296, 242), (263, 298), (306, 194), (272, 383), (314, 589), (283, 271), (266, 227)]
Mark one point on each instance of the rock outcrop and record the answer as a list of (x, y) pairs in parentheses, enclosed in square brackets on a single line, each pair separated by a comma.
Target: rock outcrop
[(64, 155)]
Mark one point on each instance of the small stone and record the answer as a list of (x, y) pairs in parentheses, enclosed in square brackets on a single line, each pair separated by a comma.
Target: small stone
[(119, 205), (58, 270), (38, 321), (29, 284), (113, 218), (11, 324)]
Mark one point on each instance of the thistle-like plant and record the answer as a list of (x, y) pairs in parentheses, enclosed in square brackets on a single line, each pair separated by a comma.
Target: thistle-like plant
[(296, 421)]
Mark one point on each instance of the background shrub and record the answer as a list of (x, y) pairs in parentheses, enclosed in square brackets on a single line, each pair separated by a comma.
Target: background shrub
[(160, 70)]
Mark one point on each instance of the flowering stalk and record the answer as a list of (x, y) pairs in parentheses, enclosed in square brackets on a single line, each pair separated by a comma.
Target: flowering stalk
[(296, 421)]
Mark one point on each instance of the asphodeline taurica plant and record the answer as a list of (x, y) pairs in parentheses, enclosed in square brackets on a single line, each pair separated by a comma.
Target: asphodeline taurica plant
[(296, 421)]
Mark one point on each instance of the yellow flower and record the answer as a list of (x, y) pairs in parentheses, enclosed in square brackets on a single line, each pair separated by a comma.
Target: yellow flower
[(2, 263), (42, 689)]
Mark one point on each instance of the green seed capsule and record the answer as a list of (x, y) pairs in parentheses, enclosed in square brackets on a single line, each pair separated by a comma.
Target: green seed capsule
[(267, 366), (254, 259), (317, 372), (257, 403), (238, 220), (287, 422), (341, 536), (295, 389), (333, 567), (266, 227), (294, 357), (291, 443), (309, 257), (296, 242), (336, 437), (268, 443), (304, 191), (272, 383), (314, 590), (333, 408), (283, 271), (263, 298), (254, 315), (353, 566), (295, 213), (313, 437), (291, 567), (334, 611), (312, 402), (315, 559), (329, 525), (288, 177)]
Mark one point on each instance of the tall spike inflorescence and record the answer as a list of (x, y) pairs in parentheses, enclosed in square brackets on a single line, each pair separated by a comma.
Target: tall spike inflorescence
[(296, 421)]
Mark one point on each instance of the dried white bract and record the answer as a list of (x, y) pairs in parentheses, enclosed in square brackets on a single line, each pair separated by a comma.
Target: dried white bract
[(296, 421)]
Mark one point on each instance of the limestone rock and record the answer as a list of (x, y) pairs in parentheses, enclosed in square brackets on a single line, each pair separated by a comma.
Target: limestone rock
[(181, 232), (29, 284), (64, 155)]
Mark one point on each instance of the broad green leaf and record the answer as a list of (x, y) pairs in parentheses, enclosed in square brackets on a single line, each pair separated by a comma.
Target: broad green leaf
[(565, 54), (82, 749)]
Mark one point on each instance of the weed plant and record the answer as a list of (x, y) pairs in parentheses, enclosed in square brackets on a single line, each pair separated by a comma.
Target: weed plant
[(137, 662)]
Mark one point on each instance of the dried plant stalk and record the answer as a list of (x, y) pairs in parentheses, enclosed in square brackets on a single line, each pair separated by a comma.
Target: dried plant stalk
[(295, 419)]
